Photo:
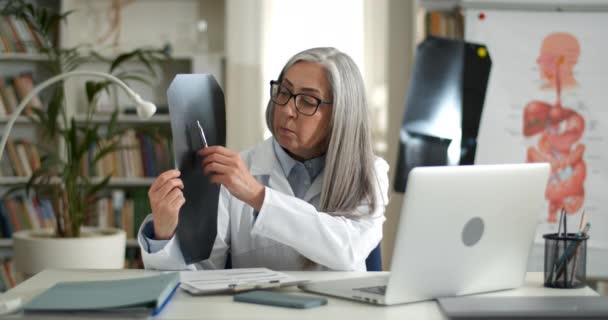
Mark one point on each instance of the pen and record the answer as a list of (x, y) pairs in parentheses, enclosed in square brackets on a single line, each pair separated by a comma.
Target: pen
[(568, 253), (202, 134), (555, 247), (583, 233)]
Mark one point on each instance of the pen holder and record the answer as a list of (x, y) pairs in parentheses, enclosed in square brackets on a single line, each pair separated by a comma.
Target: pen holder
[(565, 260)]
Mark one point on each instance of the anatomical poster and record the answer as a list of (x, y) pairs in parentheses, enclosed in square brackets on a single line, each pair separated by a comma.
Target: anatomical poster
[(547, 101)]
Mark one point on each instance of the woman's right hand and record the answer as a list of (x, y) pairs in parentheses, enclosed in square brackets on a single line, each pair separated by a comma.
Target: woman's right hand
[(166, 198)]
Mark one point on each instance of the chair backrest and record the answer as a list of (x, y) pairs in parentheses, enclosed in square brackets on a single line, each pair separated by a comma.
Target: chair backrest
[(374, 260)]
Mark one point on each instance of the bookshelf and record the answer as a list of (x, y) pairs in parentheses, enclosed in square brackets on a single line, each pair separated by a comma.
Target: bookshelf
[(442, 18), (165, 20)]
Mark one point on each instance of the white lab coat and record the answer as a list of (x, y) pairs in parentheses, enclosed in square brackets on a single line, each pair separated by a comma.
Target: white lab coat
[(288, 233)]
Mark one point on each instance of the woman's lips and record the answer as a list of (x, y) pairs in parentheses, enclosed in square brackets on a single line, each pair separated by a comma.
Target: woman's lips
[(285, 130)]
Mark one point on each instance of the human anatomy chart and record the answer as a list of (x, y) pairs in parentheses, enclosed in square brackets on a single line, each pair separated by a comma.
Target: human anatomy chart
[(559, 128), (546, 102)]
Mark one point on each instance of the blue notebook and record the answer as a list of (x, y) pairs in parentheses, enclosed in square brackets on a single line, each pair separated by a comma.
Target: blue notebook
[(143, 294)]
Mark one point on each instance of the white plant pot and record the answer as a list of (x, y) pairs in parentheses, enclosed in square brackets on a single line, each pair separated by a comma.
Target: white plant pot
[(36, 250)]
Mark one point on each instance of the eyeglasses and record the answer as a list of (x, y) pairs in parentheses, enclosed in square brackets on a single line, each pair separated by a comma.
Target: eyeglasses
[(305, 103)]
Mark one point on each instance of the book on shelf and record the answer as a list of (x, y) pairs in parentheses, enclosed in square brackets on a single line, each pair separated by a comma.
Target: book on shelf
[(21, 158), (9, 95), (15, 88), (144, 157), (445, 23), (21, 212), (8, 277), (24, 84), (18, 36), (3, 109), (24, 34), (14, 157), (11, 38)]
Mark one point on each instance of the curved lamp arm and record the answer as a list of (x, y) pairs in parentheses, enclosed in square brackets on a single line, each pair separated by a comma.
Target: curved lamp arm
[(145, 109)]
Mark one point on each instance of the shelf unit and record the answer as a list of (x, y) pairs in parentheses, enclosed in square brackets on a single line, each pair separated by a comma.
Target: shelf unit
[(8, 243), (117, 182), (23, 57), (158, 21), (20, 120)]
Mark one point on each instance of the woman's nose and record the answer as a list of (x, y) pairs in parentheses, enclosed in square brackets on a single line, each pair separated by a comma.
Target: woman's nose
[(290, 108)]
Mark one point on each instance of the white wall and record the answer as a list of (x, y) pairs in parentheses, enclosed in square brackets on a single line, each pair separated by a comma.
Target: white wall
[(244, 21), (400, 55)]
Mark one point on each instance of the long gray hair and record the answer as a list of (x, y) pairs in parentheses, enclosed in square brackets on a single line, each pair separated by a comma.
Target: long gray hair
[(349, 164)]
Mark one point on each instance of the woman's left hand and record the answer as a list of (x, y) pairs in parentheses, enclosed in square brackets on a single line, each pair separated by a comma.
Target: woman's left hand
[(226, 167)]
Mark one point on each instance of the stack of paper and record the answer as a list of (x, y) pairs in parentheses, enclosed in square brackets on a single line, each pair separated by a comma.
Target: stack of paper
[(234, 280)]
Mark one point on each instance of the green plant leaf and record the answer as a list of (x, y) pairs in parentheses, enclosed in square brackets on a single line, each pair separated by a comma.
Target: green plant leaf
[(13, 190), (38, 117), (37, 178), (133, 77), (94, 188), (94, 87), (122, 58), (53, 110), (144, 59), (113, 125), (105, 150)]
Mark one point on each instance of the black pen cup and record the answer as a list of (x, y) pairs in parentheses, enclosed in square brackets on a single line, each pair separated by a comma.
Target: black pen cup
[(565, 260)]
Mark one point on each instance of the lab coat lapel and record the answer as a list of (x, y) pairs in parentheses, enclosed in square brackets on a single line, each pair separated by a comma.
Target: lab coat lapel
[(264, 163)]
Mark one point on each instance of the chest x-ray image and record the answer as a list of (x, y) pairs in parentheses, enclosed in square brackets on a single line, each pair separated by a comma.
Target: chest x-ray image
[(198, 119), (443, 106)]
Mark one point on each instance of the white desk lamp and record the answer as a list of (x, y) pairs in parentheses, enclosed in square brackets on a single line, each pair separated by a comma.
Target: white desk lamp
[(145, 109)]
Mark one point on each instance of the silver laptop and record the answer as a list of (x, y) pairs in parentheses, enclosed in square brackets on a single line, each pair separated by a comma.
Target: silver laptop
[(462, 230)]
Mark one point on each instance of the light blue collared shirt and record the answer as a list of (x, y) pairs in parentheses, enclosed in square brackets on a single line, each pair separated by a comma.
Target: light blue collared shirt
[(300, 175)]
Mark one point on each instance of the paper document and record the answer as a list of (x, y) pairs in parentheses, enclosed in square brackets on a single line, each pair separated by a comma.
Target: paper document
[(234, 280)]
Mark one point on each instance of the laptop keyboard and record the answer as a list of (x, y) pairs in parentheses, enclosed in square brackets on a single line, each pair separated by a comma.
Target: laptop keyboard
[(381, 290)]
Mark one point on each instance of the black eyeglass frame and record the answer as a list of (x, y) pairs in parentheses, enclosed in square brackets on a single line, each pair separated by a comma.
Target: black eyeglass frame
[(294, 96)]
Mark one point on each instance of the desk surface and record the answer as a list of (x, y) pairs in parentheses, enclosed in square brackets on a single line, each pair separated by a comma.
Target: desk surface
[(184, 306)]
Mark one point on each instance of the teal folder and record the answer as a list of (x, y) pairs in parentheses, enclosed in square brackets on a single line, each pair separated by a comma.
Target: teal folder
[(143, 293)]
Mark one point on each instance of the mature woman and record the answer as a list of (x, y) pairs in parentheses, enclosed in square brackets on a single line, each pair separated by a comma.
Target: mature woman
[(312, 197)]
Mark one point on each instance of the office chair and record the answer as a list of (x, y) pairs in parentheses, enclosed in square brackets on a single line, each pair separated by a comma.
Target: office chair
[(374, 260)]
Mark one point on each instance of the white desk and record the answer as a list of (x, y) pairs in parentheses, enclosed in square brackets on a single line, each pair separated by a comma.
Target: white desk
[(184, 306)]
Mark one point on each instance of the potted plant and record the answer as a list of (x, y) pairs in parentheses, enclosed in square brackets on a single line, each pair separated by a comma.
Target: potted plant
[(60, 176)]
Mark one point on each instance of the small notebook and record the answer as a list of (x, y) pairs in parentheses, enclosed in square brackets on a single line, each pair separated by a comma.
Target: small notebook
[(143, 294)]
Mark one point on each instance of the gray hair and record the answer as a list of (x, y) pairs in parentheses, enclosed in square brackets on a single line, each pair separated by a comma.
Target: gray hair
[(349, 164)]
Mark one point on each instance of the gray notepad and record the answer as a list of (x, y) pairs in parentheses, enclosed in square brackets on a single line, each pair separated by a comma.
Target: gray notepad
[(558, 307)]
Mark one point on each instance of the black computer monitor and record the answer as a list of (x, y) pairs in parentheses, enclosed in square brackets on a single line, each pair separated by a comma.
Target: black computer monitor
[(443, 106), (193, 97)]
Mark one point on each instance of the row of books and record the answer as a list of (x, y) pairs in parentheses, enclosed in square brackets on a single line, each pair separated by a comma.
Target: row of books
[(21, 212), (18, 36), (20, 159), (445, 23), (13, 89), (8, 277), (123, 210), (144, 157)]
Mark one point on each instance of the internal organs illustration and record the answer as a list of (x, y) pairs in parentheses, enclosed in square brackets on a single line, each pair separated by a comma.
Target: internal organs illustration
[(559, 129)]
